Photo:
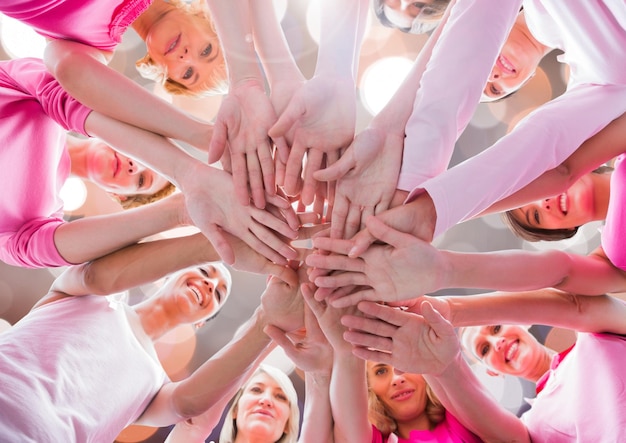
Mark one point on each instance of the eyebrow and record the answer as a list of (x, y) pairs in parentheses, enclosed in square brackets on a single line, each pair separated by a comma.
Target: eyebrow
[(196, 76)]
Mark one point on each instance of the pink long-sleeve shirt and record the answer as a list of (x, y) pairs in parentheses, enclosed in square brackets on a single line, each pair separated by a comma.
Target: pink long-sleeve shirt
[(35, 113), (592, 36), (96, 23)]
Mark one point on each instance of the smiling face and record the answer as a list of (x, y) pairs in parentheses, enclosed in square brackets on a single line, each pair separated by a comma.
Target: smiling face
[(196, 293), (116, 173), (568, 210), (505, 349), (404, 395), (516, 64), (187, 47), (263, 409)]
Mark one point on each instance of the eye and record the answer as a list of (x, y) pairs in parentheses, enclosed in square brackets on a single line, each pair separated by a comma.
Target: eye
[(256, 389), (281, 397), (536, 216), (203, 272), (188, 73), (484, 349), (141, 181), (429, 11), (207, 51), (219, 296), (495, 91), (381, 371), (496, 329)]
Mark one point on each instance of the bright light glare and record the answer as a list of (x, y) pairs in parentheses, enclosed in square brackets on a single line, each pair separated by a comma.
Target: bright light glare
[(381, 80), (73, 193), (20, 40)]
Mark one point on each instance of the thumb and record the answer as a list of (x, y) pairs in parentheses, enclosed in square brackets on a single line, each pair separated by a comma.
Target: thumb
[(337, 170), (287, 119), (438, 324), (386, 233)]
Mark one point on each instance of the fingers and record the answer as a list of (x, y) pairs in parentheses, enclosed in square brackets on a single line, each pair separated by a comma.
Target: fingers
[(373, 355), (361, 242), (285, 273), (386, 234), (255, 179), (266, 160), (286, 120), (240, 178), (294, 166), (339, 215), (219, 242), (357, 338), (218, 141), (369, 325), (334, 245), (338, 169), (353, 221), (314, 161), (438, 324), (279, 337)]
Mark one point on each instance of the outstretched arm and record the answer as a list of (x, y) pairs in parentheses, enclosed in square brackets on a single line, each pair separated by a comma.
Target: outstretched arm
[(83, 72), (204, 188), (405, 267)]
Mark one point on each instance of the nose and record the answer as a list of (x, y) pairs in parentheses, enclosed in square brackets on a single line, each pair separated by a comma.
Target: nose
[(183, 54), (398, 379), (132, 167), (547, 204), (210, 284), (266, 399), (499, 343), (495, 74)]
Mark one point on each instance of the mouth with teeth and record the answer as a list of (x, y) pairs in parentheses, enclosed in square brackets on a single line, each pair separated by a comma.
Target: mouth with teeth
[(173, 44), (563, 203), (511, 351), (403, 395), (505, 65), (199, 295)]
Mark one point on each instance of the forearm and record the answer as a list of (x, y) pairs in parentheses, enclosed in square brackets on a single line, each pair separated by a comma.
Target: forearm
[(83, 73), (317, 419), (91, 237), (552, 132), (153, 150), (226, 371), (444, 103), (340, 38), (602, 147), (233, 22), (546, 307), (271, 44), (348, 397), (464, 397)]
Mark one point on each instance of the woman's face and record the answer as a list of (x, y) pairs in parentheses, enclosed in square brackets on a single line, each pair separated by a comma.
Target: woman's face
[(404, 395), (118, 174), (505, 349), (186, 46), (402, 13), (195, 293), (263, 409), (515, 65), (568, 210)]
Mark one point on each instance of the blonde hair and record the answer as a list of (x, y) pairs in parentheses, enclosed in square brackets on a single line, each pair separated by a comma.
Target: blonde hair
[(136, 200), (229, 428), (379, 415), (215, 84)]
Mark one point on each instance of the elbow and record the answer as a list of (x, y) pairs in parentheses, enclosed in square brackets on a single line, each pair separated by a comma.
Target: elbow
[(94, 282)]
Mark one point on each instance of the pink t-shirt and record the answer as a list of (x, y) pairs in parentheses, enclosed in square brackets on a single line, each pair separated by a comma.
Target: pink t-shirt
[(97, 23), (74, 370), (584, 398), (35, 113), (448, 431), (592, 36), (614, 231)]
